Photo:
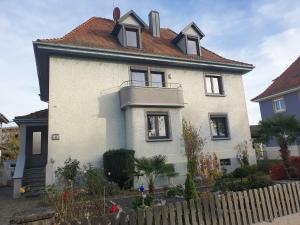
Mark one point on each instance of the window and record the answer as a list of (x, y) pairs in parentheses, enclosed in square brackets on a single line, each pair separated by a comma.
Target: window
[(131, 37), (214, 85), (158, 125), (219, 126), (279, 105), (36, 143), (139, 78), (192, 46), (157, 79), (225, 162)]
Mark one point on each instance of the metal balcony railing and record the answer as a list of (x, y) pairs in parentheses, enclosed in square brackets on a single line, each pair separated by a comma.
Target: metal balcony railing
[(136, 83)]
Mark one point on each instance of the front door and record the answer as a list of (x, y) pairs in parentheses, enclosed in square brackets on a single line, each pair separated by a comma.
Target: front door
[(36, 146)]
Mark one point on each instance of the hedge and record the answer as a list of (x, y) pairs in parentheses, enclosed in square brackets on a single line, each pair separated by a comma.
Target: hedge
[(119, 166)]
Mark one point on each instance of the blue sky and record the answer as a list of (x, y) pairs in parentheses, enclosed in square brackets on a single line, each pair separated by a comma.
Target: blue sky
[(264, 33)]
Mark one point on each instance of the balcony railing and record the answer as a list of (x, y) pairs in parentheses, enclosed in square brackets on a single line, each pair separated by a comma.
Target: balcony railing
[(136, 83), (157, 94)]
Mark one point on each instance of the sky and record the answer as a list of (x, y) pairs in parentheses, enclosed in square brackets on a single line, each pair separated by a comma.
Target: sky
[(265, 33)]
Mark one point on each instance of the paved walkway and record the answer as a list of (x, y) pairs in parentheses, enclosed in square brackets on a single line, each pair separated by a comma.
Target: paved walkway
[(293, 219), (9, 206)]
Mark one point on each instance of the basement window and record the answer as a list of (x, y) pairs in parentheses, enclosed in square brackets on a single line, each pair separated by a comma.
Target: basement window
[(158, 125), (225, 162)]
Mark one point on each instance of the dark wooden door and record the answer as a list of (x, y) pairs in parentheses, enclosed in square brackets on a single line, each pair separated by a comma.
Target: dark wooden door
[(36, 146)]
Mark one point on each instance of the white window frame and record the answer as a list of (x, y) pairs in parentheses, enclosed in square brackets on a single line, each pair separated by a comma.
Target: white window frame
[(221, 85), (282, 109)]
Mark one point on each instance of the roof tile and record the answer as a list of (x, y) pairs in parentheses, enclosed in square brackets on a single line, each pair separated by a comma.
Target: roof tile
[(96, 32), (289, 79)]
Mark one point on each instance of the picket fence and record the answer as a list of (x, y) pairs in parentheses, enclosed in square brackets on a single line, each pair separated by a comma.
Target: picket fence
[(233, 208)]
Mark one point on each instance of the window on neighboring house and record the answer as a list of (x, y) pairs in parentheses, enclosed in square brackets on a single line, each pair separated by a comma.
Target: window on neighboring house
[(214, 85), (279, 105), (192, 46), (139, 78), (132, 39), (158, 125), (36, 143), (225, 162), (219, 126), (158, 79)]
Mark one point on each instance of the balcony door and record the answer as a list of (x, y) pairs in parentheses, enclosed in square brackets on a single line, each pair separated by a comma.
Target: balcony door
[(139, 78), (158, 79)]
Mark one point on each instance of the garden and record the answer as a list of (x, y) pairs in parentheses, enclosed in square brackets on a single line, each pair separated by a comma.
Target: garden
[(84, 191)]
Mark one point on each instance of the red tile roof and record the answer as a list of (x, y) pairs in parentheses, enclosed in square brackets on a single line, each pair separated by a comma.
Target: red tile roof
[(288, 80), (96, 32)]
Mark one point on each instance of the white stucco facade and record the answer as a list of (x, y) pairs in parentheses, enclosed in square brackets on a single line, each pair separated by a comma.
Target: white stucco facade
[(84, 109)]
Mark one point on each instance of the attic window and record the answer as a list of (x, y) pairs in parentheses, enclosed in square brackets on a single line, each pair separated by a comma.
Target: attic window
[(131, 37), (192, 46)]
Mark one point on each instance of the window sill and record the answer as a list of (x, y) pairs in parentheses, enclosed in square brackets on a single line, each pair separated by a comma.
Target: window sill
[(281, 111), (215, 95), (220, 138), (159, 140)]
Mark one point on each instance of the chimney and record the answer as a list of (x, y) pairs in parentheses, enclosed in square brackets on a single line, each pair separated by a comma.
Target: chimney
[(154, 23)]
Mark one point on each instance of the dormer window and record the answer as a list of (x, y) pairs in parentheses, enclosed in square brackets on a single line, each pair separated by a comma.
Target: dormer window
[(188, 40), (192, 46), (128, 30), (132, 37)]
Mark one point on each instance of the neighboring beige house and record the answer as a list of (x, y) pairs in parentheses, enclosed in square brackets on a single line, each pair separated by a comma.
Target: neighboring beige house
[(127, 84), (3, 119)]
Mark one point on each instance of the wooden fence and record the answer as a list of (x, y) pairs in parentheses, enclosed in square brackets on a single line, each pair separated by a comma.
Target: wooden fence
[(234, 208)]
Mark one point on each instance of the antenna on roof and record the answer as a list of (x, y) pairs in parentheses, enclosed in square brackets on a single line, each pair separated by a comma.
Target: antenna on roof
[(116, 13)]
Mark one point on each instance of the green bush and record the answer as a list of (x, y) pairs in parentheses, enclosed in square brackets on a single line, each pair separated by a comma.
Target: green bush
[(241, 172), (138, 201), (190, 191), (95, 182), (175, 191), (70, 170), (119, 166), (265, 165)]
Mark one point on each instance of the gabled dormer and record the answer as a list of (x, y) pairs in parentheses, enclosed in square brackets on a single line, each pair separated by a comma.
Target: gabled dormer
[(188, 40), (128, 30)]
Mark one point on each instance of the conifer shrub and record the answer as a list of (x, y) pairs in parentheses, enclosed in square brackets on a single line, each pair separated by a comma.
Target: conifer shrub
[(190, 191)]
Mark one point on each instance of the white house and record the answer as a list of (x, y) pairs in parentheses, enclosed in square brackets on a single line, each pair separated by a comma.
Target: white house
[(122, 83)]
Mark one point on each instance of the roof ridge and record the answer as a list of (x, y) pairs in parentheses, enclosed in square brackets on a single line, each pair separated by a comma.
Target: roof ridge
[(79, 27)]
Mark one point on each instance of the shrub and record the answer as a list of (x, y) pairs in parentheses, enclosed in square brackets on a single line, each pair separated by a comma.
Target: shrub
[(138, 201), (278, 172), (95, 182), (253, 182), (241, 172), (152, 167), (119, 166), (70, 170), (295, 166), (190, 191), (193, 143), (175, 191), (265, 165)]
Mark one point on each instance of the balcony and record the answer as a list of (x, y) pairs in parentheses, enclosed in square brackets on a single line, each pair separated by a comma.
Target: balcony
[(139, 94)]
